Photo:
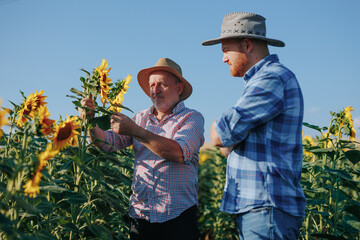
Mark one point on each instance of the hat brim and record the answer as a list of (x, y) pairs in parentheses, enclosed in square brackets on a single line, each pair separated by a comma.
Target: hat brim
[(143, 80), (270, 41)]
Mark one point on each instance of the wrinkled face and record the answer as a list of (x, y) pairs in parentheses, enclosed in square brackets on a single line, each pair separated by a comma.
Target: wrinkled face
[(235, 56), (165, 91)]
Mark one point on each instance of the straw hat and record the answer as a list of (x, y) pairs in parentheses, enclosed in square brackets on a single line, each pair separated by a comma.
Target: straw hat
[(244, 25), (168, 65)]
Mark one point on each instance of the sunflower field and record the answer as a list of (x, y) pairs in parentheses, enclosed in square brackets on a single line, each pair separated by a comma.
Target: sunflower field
[(55, 184)]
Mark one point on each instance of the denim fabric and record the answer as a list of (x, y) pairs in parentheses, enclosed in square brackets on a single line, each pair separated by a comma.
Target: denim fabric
[(268, 223)]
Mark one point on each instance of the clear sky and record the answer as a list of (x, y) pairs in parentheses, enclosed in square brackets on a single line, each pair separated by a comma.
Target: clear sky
[(44, 44)]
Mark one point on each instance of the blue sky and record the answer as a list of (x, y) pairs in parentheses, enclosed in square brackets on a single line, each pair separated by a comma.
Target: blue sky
[(44, 44)]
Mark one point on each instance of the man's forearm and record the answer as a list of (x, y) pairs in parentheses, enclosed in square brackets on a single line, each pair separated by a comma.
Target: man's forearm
[(164, 147), (214, 136)]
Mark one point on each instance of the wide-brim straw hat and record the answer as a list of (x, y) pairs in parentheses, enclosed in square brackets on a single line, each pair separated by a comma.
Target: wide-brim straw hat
[(168, 65), (244, 25)]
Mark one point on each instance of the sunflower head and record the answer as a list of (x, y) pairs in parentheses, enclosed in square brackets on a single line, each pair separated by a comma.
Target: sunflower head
[(30, 107), (116, 95), (66, 132), (3, 119), (104, 81), (45, 156), (203, 157), (45, 123), (31, 188)]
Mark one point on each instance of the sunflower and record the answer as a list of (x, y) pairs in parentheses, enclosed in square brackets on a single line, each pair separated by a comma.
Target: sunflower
[(32, 185), (3, 120), (203, 157), (30, 107), (117, 101), (352, 134), (309, 141), (45, 122), (65, 133), (126, 83), (39, 99), (348, 114), (104, 80), (121, 88)]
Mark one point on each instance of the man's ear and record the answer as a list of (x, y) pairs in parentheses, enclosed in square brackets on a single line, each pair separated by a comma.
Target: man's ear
[(180, 88), (248, 44)]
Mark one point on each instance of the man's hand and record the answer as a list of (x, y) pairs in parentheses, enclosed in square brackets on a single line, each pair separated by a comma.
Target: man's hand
[(124, 125), (88, 103)]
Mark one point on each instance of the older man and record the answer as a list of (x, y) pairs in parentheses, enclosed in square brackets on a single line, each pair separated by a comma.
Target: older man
[(166, 139), (262, 132)]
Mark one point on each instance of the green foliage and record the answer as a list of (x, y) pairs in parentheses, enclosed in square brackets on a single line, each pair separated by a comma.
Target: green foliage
[(84, 192), (331, 182), (213, 223)]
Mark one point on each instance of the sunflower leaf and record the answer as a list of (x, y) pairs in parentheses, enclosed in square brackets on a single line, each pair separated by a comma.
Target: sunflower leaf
[(77, 92), (121, 106), (85, 71), (103, 122)]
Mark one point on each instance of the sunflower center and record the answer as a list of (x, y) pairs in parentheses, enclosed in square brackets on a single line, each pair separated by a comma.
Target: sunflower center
[(64, 133)]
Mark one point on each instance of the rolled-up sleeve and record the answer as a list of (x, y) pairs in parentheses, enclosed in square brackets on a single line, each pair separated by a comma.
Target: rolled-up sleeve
[(263, 99), (115, 141), (190, 136)]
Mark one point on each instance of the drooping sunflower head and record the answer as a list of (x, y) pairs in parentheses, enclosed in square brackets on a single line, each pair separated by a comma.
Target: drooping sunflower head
[(126, 83), (65, 133), (46, 124), (39, 98), (348, 116), (27, 110), (30, 107), (45, 156), (3, 119), (104, 80), (31, 188), (352, 134)]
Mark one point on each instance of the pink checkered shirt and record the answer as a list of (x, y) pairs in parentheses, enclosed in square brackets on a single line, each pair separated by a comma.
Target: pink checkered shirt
[(161, 189)]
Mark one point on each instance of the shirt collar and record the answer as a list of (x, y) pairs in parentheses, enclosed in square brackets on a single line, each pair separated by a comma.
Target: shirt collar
[(254, 69), (178, 108)]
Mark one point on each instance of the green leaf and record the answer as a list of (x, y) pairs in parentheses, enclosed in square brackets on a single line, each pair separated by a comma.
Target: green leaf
[(341, 173), (353, 156), (85, 71), (100, 231), (121, 106), (314, 126), (26, 206), (77, 92), (75, 198), (321, 150), (45, 207), (103, 122), (327, 236), (353, 209), (71, 227), (53, 188), (352, 221)]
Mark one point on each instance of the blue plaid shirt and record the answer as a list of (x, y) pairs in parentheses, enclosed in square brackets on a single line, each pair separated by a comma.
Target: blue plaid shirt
[(265, 129)]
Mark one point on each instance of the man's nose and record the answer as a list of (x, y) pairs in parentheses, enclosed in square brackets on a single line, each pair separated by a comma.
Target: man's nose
[(225, 58)]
